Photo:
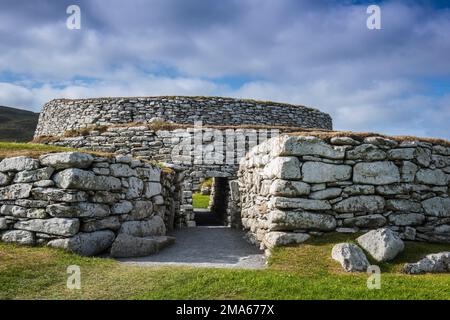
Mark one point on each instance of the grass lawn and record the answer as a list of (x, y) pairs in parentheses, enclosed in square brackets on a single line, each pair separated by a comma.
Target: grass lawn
[(200, 201), (13, 149), (301, 272)]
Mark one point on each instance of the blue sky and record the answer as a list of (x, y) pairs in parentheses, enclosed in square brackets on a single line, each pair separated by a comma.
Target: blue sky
[(317, 53)]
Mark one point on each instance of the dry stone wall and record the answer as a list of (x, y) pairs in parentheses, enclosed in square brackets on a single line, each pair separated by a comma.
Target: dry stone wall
[(62, 115), (83, 203), (292, 187)]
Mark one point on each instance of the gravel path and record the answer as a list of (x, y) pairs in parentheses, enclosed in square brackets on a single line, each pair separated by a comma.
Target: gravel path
[(211, 246)]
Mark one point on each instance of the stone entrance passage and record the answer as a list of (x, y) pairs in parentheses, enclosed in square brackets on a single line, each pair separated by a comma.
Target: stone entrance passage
[(216, 214), (210, 246)]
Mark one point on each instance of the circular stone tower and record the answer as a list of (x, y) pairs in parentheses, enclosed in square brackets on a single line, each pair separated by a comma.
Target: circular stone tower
[(62, 115)]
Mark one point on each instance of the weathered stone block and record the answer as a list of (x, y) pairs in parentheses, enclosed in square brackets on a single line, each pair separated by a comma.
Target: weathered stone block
[(283, 168), (286, 188), (299, 219), (377, 173), (18, 164), (85, 244), (369, 204), (64, 160), (319, 172), (56, 226)]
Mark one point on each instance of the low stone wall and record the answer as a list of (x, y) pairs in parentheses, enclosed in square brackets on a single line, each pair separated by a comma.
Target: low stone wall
[(294, 186), (82, 202), (197, 153), (60, 115)]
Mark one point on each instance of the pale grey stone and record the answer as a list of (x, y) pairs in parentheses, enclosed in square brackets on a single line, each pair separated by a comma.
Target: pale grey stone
[(403, 205), (64, 160), (121, 170), (149, 173), (432, 263), (3, 224), (423, 156), (437, 206), (152, 189), (369, 221), (378, 173), (409, 170), (85, 180), (112, 223), (344, 141), (34, 175), (141, 210), (407, 219), (122, 207), (350, 256), (358, 189), (53, 194), (401, 154), (18, 164), (85, 244), (319, 172), (15, 191), (308, 146), (18, 236), (43, 184), (382, 244), (370, 204), (106, 197), (299, 219), (56, 226), (329, 193), (366, 152), (279, 239), (283, 168), (145, 228), (4, 179), (286, 188), (429, 176), (80, 210), (130, 246), (135, 188), (300, 203), (380, 141)]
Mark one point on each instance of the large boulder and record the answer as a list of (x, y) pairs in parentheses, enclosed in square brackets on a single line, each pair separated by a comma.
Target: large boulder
[(437, 207), (80, 210), (85, 244), (377, 173), (59, 195), (64, 160), (432, 263), (54, 226), (130, 246), (18, 236), (286, 188), (278, 239), (85, 180), (151, 227), (34, 175), (382, 244), (350, 256), (369, 204), (283, 168), (307, 146), (299, 219), (300, 203), (320, 172), (15, 191), (18, 164)]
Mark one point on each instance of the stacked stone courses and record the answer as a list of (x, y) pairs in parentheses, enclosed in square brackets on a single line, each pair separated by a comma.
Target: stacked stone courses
[(295, 186), (62, 115)]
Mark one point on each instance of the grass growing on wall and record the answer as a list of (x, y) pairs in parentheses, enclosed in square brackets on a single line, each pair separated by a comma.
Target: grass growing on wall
[(200, 201), (299, 272)]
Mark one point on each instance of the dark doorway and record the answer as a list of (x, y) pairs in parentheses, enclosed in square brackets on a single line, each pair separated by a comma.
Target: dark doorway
[(216, 212)]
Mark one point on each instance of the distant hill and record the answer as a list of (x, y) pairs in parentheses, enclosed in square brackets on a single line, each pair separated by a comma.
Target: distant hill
[(17, 125)]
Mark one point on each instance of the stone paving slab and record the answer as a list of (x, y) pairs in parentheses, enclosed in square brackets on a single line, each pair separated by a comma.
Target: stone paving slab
[(209, 246)]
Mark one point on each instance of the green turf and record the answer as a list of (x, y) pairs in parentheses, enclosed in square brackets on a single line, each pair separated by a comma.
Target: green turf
[(200, 201), (300, 272)]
